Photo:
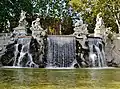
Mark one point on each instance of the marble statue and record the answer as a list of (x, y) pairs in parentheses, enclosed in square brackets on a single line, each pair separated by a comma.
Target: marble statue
[(99, 27), (8, 25), (39, 34), (37, 30), (36, 25), (99, 20), (80, 29), (22, 21), (21, 29)]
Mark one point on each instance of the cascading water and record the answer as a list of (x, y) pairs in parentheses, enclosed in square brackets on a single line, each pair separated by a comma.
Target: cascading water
[(15, 54), (22, 51), (61, 51), (96, 54)]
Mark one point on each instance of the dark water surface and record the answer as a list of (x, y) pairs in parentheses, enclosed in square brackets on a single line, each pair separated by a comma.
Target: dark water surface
[(26, 78)]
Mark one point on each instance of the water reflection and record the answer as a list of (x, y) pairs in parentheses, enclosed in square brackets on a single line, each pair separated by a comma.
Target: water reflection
[(62, 78), (59, 79)]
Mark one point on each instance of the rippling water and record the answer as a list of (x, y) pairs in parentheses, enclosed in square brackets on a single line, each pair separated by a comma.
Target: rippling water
[(26, 78)]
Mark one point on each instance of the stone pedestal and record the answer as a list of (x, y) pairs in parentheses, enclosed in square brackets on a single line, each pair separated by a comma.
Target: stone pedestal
[(20, 31), (97, 33)]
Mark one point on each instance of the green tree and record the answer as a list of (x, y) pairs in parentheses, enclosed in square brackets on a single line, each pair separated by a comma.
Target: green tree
[(10, 10), (49, 10), (54, 10), (90, 8)]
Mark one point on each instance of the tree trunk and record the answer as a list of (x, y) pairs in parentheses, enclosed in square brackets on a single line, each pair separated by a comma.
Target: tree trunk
[(118, 24), (60, 29), (117, 17)]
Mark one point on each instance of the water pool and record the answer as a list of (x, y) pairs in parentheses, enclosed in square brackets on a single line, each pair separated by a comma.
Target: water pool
[(28, 78)]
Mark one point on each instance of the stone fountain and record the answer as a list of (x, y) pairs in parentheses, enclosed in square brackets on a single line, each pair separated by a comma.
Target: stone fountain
[(111, 40), (40, 50), (90, 49), (25, 51)]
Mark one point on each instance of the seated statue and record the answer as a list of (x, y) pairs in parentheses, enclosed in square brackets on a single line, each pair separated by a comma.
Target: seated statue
[(80, 28), (37, 31), (36, 25)]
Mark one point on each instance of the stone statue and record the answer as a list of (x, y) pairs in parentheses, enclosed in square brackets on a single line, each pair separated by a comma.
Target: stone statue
[(22, 21), (80, 29), (36, 25), (39, 34), (21, 29), (99, 27), (99, 20), (78, 23), (8, 25), (37, 30)]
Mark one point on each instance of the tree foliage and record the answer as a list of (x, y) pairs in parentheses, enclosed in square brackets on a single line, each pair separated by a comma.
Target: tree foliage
[(54, 12), (11, 9), (49, 11), (90, 8)]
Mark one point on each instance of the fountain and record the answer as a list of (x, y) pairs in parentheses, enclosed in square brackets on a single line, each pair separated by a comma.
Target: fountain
[(61, 51), (25, 51), (22, 55), (90, 50), (96, 44), (91, 53), (40, 50), (96, 54)]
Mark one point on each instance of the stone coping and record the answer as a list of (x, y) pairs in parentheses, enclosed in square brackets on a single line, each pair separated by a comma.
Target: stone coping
[(24, 37), (62, 35)]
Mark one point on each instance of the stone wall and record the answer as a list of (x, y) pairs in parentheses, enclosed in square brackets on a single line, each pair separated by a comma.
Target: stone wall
[(112, 48), (112, 52), (4, 41)]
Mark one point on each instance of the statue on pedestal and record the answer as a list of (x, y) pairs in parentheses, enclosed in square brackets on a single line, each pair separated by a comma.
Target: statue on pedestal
[(99, 27), (21, 29), (80, 29), (22, 21), (37, 30), (36, 25), (39, 34)]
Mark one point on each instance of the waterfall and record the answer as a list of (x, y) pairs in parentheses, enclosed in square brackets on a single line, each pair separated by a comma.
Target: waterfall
[(15, 54), (61, 51), (96, 54), (24, 59)]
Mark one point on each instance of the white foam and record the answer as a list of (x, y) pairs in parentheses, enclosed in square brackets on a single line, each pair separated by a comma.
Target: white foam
[(100, 68), (13, 67), (60, 68)]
